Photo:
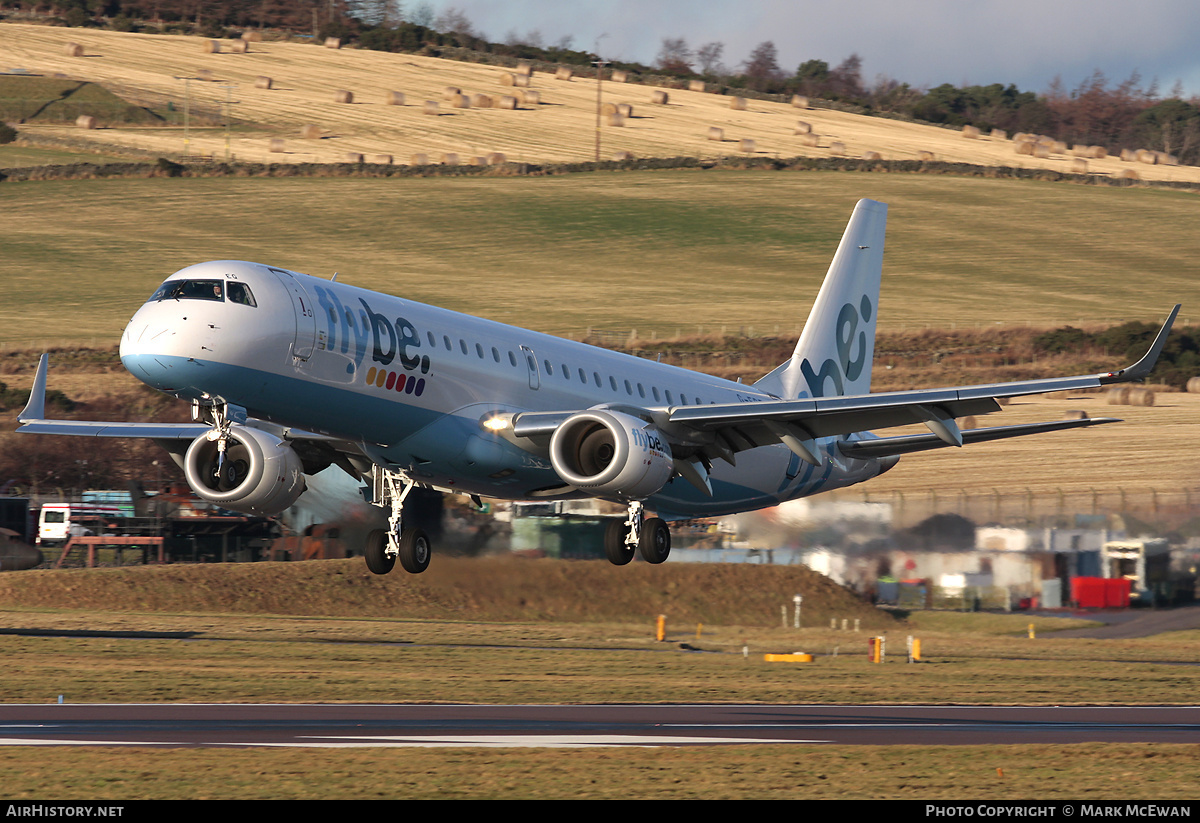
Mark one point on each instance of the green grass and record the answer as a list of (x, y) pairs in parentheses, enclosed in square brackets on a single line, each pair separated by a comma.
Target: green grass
[(654, 251)]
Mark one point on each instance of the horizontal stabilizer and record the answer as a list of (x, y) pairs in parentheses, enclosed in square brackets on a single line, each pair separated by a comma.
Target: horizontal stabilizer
[(907, 444)]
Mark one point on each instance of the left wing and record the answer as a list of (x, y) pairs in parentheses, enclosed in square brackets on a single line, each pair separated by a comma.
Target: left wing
[(720, 431)]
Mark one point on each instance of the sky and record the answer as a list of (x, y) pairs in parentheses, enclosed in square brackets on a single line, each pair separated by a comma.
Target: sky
[(1026, 43)]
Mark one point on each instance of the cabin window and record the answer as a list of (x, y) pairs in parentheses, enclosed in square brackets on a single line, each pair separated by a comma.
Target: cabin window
[(583, 377), (495, 354), (240, 293), (446, 342), (641, 391), (596, 377), (549, 368), (612, 381), (479, 350), (462, 344), (431, 338), (670, 401), (628, 388), (512, 358), (566, 370), (654, 390)]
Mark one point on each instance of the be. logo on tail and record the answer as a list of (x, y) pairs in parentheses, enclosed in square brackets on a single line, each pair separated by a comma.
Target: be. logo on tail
[(851, 367)]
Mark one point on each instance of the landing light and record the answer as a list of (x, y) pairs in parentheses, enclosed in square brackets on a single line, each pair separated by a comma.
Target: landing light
[(496, 423)]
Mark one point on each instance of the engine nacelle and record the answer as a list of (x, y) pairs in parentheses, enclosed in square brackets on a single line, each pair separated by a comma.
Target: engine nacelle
[(608, 453), (260, 475)]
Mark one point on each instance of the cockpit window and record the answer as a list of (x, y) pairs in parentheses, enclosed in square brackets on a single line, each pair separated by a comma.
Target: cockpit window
[(239, 293), (190, 290)]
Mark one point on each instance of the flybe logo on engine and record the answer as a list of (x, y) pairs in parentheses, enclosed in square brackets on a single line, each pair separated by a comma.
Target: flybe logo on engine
[(647, 439), (353, 331), (852, 350)]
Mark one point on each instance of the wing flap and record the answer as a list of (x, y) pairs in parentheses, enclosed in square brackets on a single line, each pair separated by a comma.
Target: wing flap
[(907, 444)]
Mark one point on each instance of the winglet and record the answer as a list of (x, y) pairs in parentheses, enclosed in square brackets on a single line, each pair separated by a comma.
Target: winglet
[(35, 409), (1144, 366)]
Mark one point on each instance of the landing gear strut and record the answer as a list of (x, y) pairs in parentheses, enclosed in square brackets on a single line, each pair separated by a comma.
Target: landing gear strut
[(649, 537), (410, 546)]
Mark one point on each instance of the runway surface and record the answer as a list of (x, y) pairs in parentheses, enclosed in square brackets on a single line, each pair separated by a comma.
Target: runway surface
[(337, 725)]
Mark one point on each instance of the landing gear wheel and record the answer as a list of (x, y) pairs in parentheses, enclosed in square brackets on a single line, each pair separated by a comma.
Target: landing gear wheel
[(376, 552), (616, 549), (655, 542), (414, 551)]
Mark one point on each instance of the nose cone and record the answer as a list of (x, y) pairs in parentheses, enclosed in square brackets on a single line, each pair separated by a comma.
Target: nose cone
[(162, 349)]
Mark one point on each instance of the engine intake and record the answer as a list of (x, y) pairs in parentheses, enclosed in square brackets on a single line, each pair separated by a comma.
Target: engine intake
[(260, 475), (608, 453)]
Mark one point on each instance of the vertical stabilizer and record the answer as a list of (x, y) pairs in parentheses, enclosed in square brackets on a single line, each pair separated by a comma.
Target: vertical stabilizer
[(837, 346)]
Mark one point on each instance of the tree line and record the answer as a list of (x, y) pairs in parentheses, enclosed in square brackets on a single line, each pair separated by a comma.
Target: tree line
[(1130, 114)]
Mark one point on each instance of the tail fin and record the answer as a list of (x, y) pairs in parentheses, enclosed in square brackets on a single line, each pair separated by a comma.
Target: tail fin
[(837, 346)]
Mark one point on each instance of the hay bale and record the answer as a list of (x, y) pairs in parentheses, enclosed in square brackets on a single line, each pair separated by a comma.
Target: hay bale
[(837, 148), (206, 75), (450, 92), (430, 107), (507, 102), (737, 103), (799, 101), (310, 132), (925, 156), (419, 159), (263, 82), (1079, 150), (343, 96), (1058, 146), (530, 98), (74, 50), (619, 76), (1127, 174), (803, 128), (1024, 147), (695, 85), (507, 78), (1193, 385), (622, 156), (716, 134), (382, 159), (563, 73), (1097, 152), (353, 157), (1169, 160), (333, 43), (395, 98), (460, 101), (659, 97), (1075, 414), (496, 158), (277, 145), (1118, 396), (521, 81), (616, 120), (608, 108), (999, 134), (239, 47), (482, 101), (746, 145), (85, 121), (210, 47), (1078, 166), (1128, 156), (872, 155), (810, 140), (971, 132), (450, 159), (968, 422), (625, 109), (1146, 156), (252, 36), (524, 69), (1041, 151), (479, 160), (1139, 396)]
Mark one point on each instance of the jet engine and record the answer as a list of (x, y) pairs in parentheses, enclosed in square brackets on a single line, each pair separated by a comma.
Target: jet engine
[(259, 474), (608, 453)]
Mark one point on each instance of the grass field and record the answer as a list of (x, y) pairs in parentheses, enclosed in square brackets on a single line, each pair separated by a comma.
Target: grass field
[(660, 251), (192, 652), (561, 127)]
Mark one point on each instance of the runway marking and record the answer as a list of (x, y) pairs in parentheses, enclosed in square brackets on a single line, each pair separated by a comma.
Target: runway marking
[(20, 741), (525, 741)]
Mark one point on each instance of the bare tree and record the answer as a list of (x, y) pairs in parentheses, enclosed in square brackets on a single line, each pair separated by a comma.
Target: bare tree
[(762, 66), (675, 57), (709, 58), (454, 20)]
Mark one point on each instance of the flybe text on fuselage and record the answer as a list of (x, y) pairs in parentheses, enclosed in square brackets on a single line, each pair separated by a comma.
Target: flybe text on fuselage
[(389, 339)]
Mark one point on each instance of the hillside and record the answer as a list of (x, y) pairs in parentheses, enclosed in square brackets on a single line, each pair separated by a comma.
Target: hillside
[(150, 70)]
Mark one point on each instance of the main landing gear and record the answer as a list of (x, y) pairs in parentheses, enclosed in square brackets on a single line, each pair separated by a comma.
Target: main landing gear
[(648, 536), (411, 546)]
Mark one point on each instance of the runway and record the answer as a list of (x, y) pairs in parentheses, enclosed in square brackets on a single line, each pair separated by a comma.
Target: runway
[(380, 725)]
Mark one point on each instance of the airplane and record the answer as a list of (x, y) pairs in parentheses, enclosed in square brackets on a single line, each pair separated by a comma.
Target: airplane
[(288, 374)]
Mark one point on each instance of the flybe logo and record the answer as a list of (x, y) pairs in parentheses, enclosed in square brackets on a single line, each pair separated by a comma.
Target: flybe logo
[(852, 352), (648, 440), (354, 331)]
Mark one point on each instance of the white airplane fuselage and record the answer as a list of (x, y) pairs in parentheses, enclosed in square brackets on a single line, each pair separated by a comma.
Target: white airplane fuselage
[(413, 383)]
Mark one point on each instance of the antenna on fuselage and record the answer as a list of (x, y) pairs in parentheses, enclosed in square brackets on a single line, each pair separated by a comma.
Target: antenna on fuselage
[(332, 279)]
